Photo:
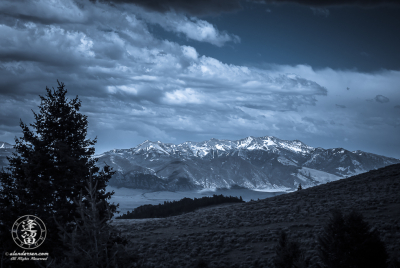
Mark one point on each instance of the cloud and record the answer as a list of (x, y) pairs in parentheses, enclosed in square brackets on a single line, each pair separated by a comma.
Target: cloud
[(340, 106), (41, 11), (332, 3), (193, 7), (381, 99), (380, 122), (186, 96), (134, 86), (215, 7), (397, 107), (128, 79), (323, 12), (83, 13), (193, 28)]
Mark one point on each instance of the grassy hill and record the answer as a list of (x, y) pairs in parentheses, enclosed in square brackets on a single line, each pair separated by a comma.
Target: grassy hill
[(245, 234)]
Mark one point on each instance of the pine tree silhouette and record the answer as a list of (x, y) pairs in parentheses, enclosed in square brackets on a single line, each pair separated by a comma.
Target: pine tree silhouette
[(288, 253), (94, 242), (49, 169), (348, 242)]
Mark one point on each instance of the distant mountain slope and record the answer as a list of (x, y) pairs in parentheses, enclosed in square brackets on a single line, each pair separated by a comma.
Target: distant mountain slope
[(255, 163), (6, 149), (5, 145)]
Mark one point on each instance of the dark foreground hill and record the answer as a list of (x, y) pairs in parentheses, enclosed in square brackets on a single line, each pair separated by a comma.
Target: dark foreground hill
[(245, 234)]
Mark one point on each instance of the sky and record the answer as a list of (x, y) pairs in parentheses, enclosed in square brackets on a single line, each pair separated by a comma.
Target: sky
[(323, 72)]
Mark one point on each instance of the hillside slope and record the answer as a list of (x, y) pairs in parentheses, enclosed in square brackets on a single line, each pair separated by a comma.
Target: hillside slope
[(244, 235)]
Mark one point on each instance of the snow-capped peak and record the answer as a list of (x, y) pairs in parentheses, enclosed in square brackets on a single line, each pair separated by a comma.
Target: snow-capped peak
[(201, 149), (248, 162), (5, 145), (148, 146)]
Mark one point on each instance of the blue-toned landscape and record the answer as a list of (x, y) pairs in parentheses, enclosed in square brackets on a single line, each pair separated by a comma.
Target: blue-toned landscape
[(226, 133)]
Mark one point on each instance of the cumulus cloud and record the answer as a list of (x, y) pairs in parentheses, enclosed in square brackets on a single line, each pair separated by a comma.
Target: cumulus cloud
[(128, 79), (192, 27), (186, 96), (41, 11)]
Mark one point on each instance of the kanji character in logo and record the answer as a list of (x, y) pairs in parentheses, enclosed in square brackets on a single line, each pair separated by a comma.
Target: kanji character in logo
[(29, 232), (29, 238)]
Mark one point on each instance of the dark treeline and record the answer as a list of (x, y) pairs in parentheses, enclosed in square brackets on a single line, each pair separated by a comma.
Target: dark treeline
[(174, 208), (347, 241)]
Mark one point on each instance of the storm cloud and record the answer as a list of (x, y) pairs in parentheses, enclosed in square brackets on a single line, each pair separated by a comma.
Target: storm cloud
[(332, 3), (193, 7), (216, 7)]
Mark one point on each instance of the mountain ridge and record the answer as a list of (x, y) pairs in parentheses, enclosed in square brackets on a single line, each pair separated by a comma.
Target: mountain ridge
[(252, 162), (6, 145), (6, 149), (261, 163)]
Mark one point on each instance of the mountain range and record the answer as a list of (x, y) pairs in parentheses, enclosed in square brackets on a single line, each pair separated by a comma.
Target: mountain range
[(259, 163), (6, 149)]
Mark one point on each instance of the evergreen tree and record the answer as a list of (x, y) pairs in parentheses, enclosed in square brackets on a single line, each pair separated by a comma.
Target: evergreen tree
[(299, 187), (49, 169), (394, 261), (93, 242), (348, 242), (288, 253)]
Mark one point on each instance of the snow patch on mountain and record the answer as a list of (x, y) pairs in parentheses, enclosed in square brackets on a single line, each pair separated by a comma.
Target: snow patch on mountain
[(5, 145), (286, 161), (275, 189), (319, 176), (269, 142)]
